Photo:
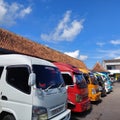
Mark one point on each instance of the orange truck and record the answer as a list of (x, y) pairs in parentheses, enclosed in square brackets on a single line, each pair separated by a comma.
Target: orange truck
[(76, 85), (93, 86)]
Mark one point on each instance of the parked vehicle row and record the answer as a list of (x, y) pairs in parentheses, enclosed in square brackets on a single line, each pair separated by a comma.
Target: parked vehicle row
[(80, 83), (45, 90)]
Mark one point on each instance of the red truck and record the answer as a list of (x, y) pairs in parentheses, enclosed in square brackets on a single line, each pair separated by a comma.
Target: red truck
[(76, 85)]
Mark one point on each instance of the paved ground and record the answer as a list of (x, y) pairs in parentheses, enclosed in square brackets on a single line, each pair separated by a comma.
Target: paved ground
[(107, 109)]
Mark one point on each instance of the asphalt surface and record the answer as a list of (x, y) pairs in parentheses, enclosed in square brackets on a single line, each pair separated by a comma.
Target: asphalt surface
[(108, 108)]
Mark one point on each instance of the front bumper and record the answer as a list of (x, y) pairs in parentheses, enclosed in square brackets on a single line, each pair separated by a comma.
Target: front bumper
[(95, 97), (82, 106), (109, 89), (63, 116)]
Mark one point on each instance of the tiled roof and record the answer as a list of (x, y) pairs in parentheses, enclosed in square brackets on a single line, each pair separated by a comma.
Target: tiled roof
[(99, 68), (18, 44)]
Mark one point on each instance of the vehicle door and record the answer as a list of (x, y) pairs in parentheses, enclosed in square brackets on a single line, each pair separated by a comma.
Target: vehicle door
[(16, 94)]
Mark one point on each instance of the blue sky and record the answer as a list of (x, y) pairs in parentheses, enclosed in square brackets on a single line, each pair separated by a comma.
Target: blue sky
[(88, 30)]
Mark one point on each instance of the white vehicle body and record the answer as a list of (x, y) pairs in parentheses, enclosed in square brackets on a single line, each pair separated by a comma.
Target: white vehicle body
[(22, 99)]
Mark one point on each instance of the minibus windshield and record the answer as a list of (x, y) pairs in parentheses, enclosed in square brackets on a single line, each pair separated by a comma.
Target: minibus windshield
[(93, 80), (47, 77), (80, 81)]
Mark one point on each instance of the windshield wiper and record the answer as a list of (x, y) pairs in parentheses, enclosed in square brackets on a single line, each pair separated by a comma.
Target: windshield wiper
[(61, 85), (49, 87)]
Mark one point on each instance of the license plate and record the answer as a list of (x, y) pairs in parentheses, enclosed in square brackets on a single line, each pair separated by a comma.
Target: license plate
[(57, 110)]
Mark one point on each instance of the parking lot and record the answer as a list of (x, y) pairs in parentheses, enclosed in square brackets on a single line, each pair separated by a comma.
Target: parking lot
[(108, 108)]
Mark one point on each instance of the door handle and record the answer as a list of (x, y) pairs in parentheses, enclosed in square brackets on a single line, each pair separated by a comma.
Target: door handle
[(4, 98)]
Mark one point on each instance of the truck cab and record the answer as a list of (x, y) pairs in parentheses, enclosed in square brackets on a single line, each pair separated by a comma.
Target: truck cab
[(77, 90), (93, 87), (31, 89)]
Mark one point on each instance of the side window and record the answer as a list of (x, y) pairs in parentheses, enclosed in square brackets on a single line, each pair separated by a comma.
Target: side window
[(1, 70), (67, 79), (18, 78)]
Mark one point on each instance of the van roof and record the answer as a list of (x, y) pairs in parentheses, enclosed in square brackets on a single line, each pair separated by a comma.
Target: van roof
[(66, 67), (15, 59)]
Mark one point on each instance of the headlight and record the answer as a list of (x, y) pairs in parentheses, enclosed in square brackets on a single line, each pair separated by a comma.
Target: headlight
[(78, 98), (39, 113), (93, 91), (100, 88)]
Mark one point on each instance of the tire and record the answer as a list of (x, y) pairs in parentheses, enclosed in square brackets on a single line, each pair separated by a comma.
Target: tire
[(9, 117)]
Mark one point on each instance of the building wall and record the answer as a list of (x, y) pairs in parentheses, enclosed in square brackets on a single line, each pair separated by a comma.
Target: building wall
[(113, 67)]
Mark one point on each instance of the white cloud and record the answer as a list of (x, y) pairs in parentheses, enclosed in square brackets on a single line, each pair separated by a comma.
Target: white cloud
[(110, 53), (2, 9), (83, 57), (10, 12), (101, 44), (76, 54), (25, 11), (117, 57), (115, 42), (65, 30)]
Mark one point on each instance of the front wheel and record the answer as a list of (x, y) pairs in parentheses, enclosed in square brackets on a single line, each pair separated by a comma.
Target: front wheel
[(9, 117)]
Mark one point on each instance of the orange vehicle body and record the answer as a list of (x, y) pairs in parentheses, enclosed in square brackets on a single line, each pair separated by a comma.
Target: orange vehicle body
[(77, 91), (93, 87), (93, 90)]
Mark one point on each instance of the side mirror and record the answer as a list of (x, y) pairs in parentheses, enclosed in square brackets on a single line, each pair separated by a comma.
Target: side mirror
[(32, 78)]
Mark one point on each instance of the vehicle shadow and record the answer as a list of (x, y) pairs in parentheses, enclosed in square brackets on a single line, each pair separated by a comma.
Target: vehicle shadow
[(97, 102), (77, 116)]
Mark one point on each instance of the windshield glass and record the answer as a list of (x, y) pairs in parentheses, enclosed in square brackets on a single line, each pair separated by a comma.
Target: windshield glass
[(93, 80), (86, 76), (100, 81), (80, 81), (47, 77)]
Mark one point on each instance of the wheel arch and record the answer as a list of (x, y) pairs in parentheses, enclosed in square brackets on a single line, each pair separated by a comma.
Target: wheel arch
[(7, 112)]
